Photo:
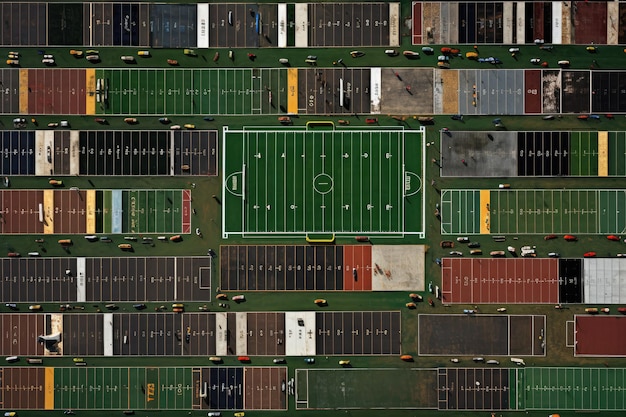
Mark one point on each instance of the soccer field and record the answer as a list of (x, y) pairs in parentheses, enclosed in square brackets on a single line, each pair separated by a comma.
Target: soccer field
[(309, 181)]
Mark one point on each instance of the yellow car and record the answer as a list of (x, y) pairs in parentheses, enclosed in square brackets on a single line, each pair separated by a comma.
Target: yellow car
[(78, 360), (240, 414), (344, 362), (189, 126), (189, 52), (143, 53), (34, 307)]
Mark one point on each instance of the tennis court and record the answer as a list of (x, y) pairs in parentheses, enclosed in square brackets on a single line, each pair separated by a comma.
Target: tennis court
[(304, 181), (194, 91), (503, 211)]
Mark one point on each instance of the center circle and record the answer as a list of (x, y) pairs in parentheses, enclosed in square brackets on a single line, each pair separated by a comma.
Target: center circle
[(323, 183)]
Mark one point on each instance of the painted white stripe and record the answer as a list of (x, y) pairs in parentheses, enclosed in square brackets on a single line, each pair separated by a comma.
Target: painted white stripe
[(203, 25), (557, 25), (81, 292), (394, 24), (302, 25), (375, 90), (282, 25), (521, 26), (107, 333)]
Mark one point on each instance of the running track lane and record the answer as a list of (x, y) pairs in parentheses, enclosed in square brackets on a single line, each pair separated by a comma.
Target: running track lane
[(417, 22), (57, 91), (500, 281), (359, 257), (186, 211)]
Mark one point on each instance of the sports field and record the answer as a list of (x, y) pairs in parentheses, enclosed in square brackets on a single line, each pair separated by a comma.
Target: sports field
[(307, 181), (574, 388), (361, 388), (123, 388), (194, 91), (533, 211), (144, 211)]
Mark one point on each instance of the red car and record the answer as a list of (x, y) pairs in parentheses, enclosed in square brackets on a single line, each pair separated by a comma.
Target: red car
[(371, 120), (243, 359), (570, 238), (613, 238), (549, 237), (590, 255)]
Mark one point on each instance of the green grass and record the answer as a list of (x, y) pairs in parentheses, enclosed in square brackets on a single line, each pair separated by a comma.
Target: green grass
[(346, 182)]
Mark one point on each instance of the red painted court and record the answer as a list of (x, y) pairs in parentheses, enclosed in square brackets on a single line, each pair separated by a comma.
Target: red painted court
[(417, 23), (357, 258), (57, 91), (500, 281), (186, 211), (589, 21), (532, 95), (599, 335), (20, 211)]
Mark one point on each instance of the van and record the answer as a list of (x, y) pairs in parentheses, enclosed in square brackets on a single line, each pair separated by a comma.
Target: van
[(34, 360), (518, 361)]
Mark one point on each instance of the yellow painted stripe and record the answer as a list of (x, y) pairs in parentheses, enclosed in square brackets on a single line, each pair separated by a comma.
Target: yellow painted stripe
[(23, 91), (292, 91), (48, 395), (485, 210), (90, 89), (91, 212), (603, 154), (48, 211), (450, 79)]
